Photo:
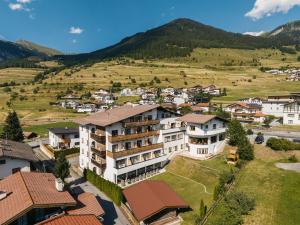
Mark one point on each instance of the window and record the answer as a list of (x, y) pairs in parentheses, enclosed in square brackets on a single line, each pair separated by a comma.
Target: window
[(167, 138), (149, 117), (175, 148), (180, 136), (114, 133), (128, 145), (2, 161), (181, 146), (114, 147), (213, 139), (290, 122), (77, 143), (170, 149), (206, 126), (76, 135), (214, 126), (173, 125), (291, 115), (127, 131), (221, 137), (139, 143), (173, 137), (192, 128)]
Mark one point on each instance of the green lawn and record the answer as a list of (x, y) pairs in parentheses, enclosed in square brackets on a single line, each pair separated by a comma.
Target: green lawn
[(187, 177), (275, 191), (42, 130)]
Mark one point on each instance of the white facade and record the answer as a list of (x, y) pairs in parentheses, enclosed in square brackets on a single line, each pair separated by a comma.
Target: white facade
[(10, 165), (291, 114), (275, 105), (205, 140), (63, 140)]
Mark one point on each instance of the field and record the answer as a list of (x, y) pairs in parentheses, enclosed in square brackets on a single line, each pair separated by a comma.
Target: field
[(236, 70), (275, 191)]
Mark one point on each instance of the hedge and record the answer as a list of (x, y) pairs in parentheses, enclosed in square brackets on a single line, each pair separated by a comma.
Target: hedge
[(113, 191), (282, 144), (68, 151)]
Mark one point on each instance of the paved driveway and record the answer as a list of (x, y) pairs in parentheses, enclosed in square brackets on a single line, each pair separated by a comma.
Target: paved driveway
[(289, 166)]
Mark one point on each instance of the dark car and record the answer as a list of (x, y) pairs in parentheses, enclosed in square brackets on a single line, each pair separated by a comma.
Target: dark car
[(259, 139), (297, 140)]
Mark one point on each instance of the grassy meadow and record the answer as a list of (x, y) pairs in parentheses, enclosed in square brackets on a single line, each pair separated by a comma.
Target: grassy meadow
[(233, 69)]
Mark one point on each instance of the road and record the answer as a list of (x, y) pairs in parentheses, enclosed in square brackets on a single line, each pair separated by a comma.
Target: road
[(277, 134)]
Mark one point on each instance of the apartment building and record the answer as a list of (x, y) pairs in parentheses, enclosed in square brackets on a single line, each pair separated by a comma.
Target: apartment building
[(127, 143), (205, 134), (291, 113), (63, 137)]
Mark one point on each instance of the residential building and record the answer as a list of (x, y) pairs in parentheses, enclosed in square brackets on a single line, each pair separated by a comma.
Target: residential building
[(64, 138), (274, 105), (29, 198), (87, 108), (291, 113), (153, 202), (14, 157), (205, 134), (72, 220), (245, 112)]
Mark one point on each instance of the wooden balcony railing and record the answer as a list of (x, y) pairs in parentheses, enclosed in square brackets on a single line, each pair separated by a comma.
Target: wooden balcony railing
[(132, 136), (99, 163), (100, 139), (140, 123), (100, 132), (132, 151), (99, 152)]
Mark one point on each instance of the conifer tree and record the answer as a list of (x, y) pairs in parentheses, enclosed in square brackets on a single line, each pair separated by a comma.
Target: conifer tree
[(12, 129), (62, 167)]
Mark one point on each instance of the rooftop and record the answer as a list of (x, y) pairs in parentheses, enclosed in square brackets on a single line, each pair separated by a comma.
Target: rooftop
[(16, 150), (26, 190), (115, 115), (197, 118), (64, 130), (72, 220), (150, 197)]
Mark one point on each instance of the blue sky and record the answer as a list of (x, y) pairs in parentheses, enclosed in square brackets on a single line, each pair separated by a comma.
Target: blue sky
[(86, 25)]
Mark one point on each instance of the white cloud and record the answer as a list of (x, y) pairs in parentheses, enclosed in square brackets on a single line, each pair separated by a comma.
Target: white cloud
[(15, 6), (258, 33), (264, 8), (75, 30), (24, 1)]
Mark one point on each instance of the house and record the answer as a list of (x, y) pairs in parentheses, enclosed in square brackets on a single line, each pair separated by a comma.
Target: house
[(252, 101), (291, 113), (133, 142), (35, 197), (63, 138), (244, 112), (127, 92), (212, 90), (14, 157), (29, 135), (274, 105), (153, 202), (207, 106), (72, 220), (87, 108), (70, 104), (205, 134)]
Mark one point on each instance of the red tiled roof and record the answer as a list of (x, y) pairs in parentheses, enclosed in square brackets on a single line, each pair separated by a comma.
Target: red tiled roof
[(87, 204), (115, 115), (196, 118), (259, 114), (203, 104), (72, 220), (27, 190), (150, 197)]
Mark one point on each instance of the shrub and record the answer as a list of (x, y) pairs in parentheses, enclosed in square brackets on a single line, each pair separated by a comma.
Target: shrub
[(113, 191), (282, 144), (249, 132), (293, 159)]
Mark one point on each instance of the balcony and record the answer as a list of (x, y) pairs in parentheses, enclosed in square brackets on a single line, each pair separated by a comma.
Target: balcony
[(132, 136), (99, 163), (98, 138), (140, 123), (132, 151), (99, 152)]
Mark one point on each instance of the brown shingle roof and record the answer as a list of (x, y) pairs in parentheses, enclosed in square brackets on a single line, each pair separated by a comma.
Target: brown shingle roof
[(150, 197), (27, 190), (196, 118), (16, 150), (72, 220), (87, 204), (115, 115)]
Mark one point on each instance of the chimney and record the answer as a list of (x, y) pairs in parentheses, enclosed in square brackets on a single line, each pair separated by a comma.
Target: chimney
[(59, 184), (3, 195)]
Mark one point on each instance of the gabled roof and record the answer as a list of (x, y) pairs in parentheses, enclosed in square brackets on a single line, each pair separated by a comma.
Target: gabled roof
[(16, 150), (150, 197), (115, 115), (72, 220), (87, 203), (28, 190), (198, 118)]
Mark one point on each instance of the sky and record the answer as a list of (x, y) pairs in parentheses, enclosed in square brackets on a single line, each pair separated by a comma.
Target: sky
[(75, 26)]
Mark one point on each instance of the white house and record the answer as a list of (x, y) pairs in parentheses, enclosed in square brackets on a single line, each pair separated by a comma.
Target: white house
[(64, 137), (126, 144), (205, 134), (14, 157), (274, 105), (291, 113)]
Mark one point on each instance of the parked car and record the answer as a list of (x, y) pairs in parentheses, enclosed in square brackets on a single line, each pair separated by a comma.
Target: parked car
[(296, 140), (259, 139)]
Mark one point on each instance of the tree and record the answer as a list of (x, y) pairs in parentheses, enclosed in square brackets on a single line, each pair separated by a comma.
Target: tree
[(12, 129), (202, 210), (245, 150), (62, 167), (268, 120), (236, 133)]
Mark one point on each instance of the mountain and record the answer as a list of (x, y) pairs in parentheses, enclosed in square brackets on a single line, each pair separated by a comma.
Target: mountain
[(38, 48), (289, 31), (177, 38)]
